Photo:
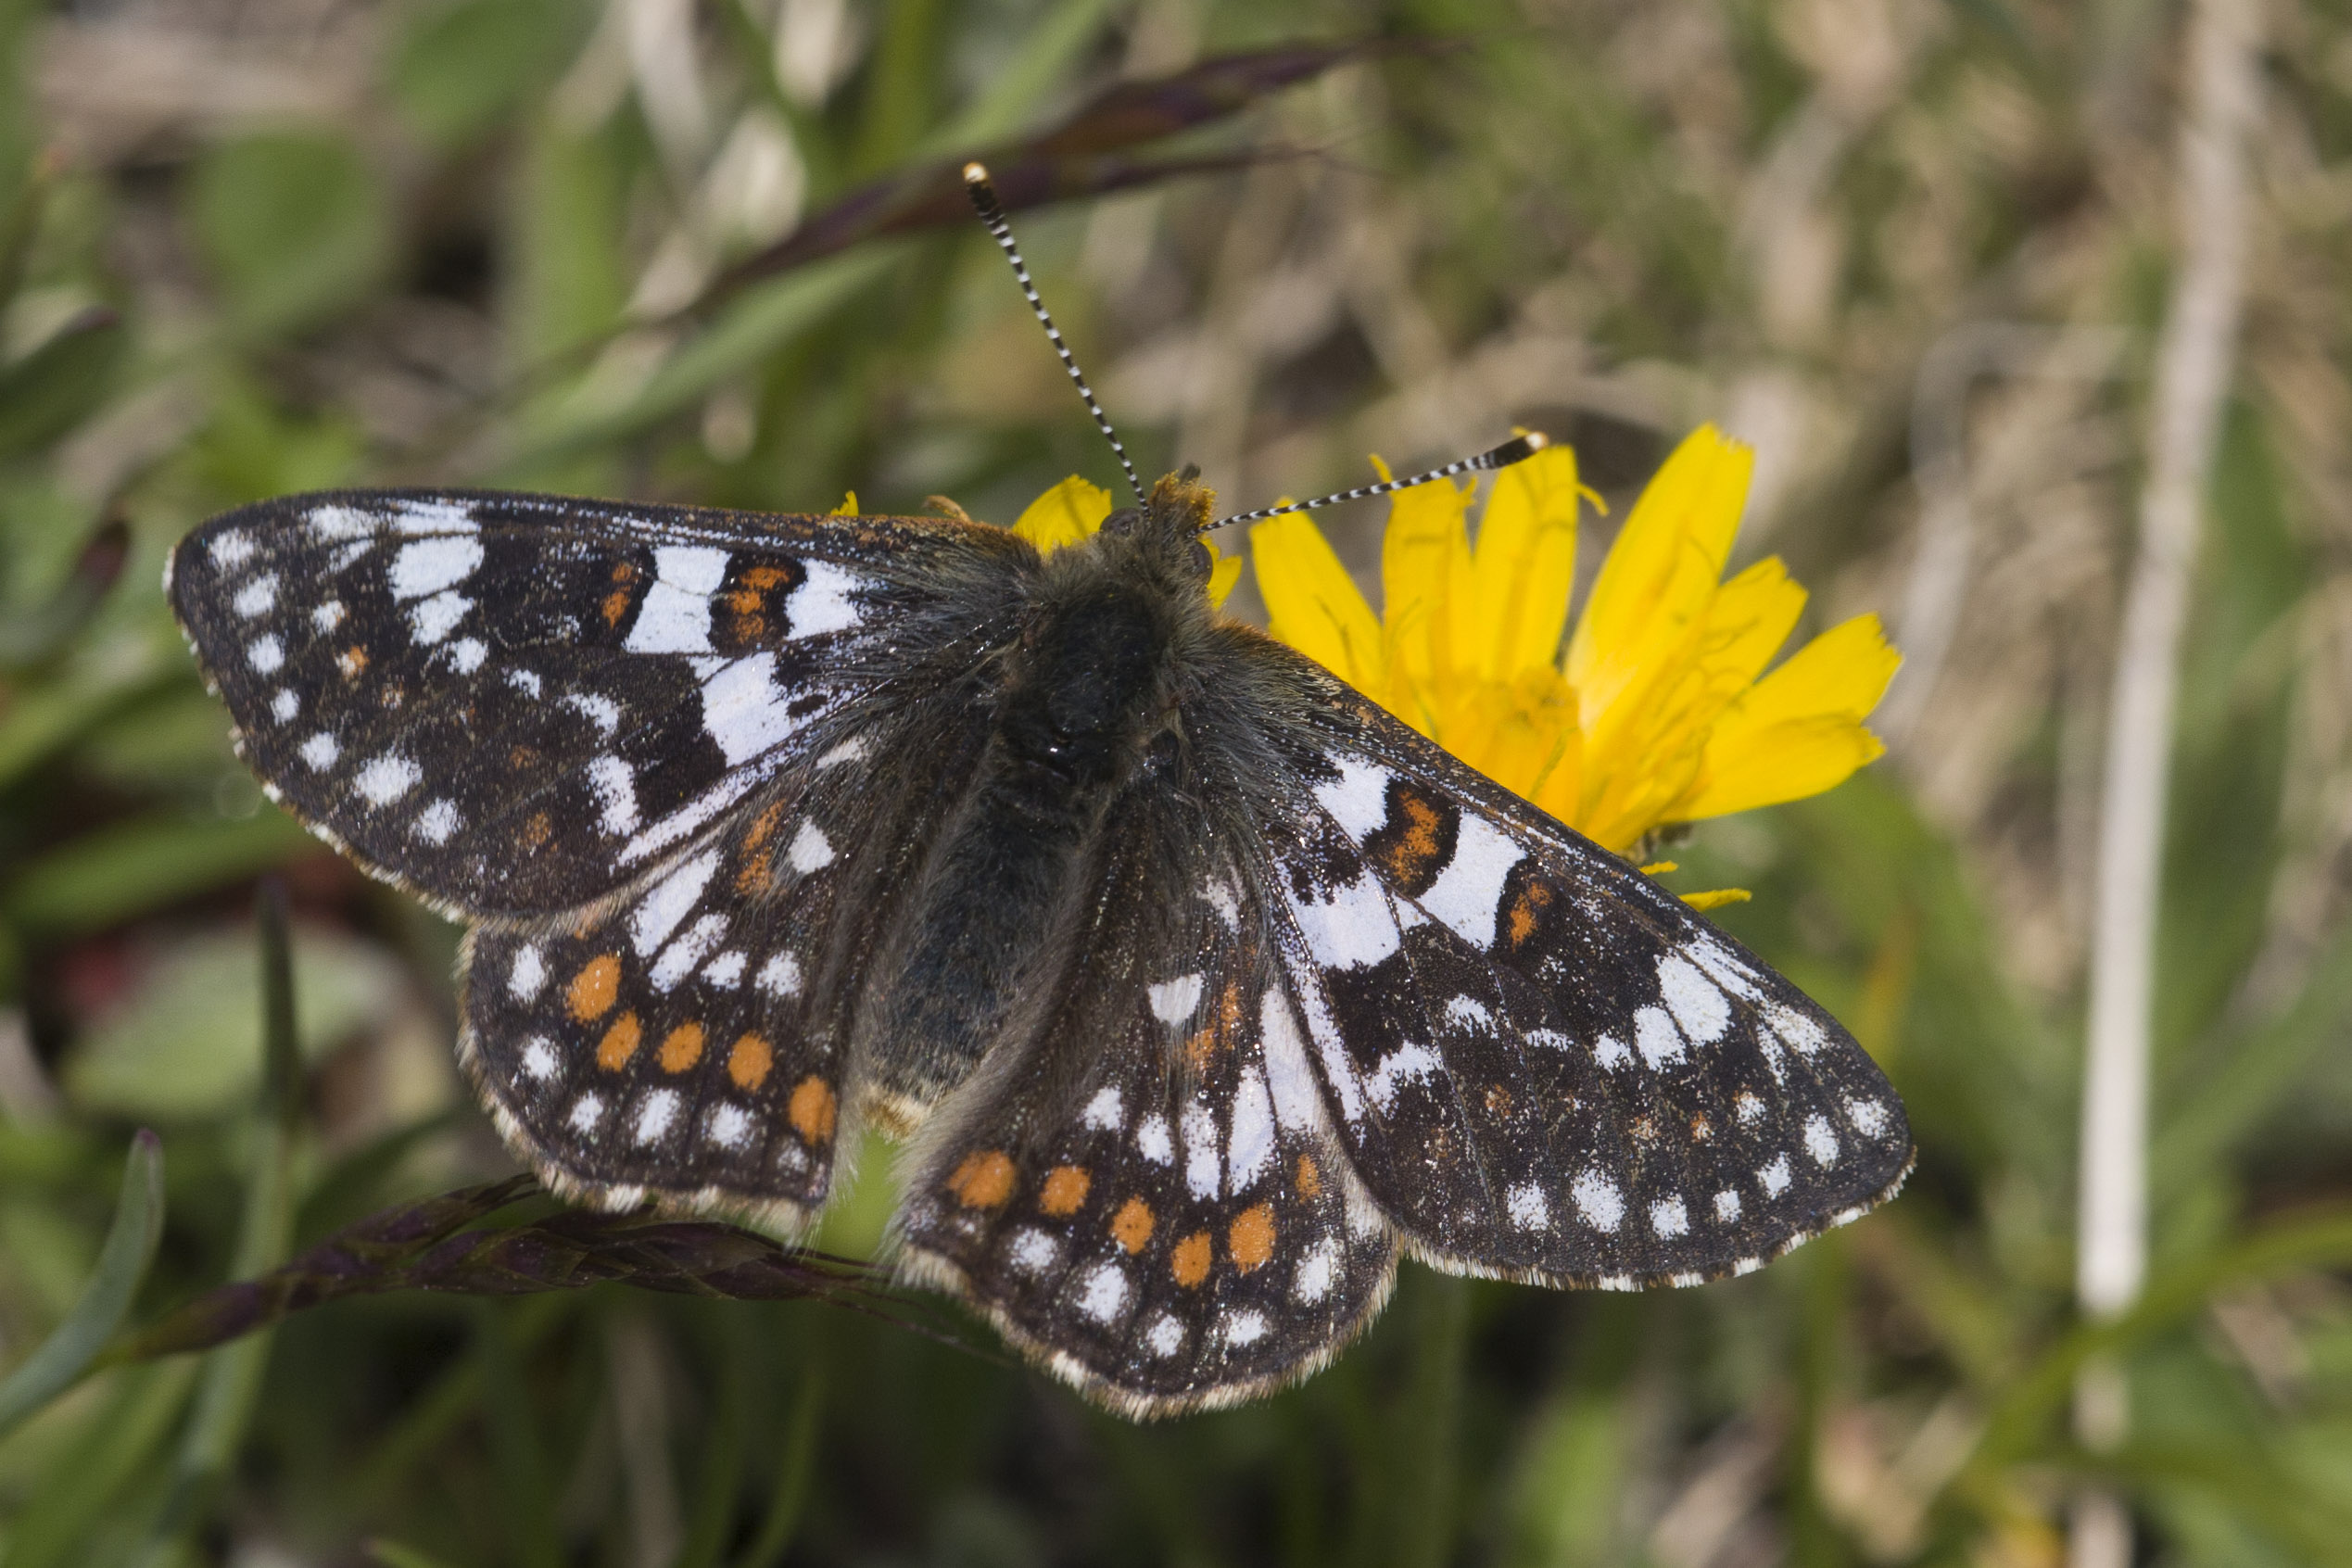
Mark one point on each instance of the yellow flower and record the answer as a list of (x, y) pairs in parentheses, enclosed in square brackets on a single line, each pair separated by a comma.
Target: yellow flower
[(1655, 714), (1073, 510)]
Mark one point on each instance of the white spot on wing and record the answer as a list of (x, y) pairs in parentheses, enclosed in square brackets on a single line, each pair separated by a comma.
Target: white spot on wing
[(265, 654), (1747, 1108), (1242, 1326), (1821, 1141), (1165, 1336), (1803, 1035), (529, 973), (438, 821), (616, 787), (730, 1126), (1151, 1140), (426, 566), (467, 653), (386, 778), (670, 901), (1222, 899), (1358, 798), (260, 594), (1354, 929), (1202, 1174), (285, 705), (1106, 1112), (1173, 1001), (1104, 1295), (1610, 1053), (822, 603), (1727, 1206), (599, 709), (1868, 1117), (327, 616), (1287, 1075), (1598, 1200), (1030, 1250), (675, 614), (1696, 1002), (744, 711), (1467, 1012), (1775, 1176), (1530, 1211), (538, 1059), (587, 1111), (1656, 1038), (1338, 1071), (655, 1116), (781, 975), (848, 750), (338, 524), (1317, 1272), (1468, 894), (810, 852), (1669, 1219), (321, 751), (726, 970), (1249, 1149), (432, 619), (231, 549), (678, 959)]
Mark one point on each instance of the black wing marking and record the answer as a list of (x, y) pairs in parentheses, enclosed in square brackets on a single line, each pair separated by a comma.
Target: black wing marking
[(690, 1037), (1138, 1185), (513, 704), (1543, 1065)]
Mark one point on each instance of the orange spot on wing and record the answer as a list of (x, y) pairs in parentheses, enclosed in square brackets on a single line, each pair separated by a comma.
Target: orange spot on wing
[(1250, 1238), (354, 662), (1221, 1031), (619, 1044), (1131, 1226), (1311, 1180), (1191, 1259), (984, 1179), (762, 579), (616, 604), (682, 1047), (1524, 911), (749, 1060), (812, 1109), (753, 876), (1065, 1189), (537, 830), (594, 987), (1412, 856), (763, 827)]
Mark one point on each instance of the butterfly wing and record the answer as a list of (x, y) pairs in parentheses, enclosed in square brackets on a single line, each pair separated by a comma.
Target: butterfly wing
[(687, 1037), (1542, 1064), (512, 704), (1140, 1184)]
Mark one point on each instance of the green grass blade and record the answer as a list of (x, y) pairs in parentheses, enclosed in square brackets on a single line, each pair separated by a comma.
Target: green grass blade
[(123, 1263)]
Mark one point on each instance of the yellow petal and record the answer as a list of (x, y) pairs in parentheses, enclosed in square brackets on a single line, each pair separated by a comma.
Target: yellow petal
[(847, 508), (1424, 562), (1715, 898), (1224, 571), (1525, 567), (1312, 604), (1799, 730), (1663, 569), (1069, 512), (1751, 617)]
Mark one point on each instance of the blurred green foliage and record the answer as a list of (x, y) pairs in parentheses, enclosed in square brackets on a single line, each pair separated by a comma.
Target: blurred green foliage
[(252, 248)]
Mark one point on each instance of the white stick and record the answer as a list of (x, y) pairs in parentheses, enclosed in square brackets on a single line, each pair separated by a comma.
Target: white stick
[(2193, 367)]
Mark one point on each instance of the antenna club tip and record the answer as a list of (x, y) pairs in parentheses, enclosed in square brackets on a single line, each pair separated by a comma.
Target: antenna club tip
[(1537, 441), (976, 173)]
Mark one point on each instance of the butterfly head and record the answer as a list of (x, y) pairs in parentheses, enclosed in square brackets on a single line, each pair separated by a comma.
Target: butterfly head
[(1171, 523)]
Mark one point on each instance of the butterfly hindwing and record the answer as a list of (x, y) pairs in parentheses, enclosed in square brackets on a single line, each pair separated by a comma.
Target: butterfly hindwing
[(690, 1037), (516, 703), (1543, 1065), (1140, 1185)]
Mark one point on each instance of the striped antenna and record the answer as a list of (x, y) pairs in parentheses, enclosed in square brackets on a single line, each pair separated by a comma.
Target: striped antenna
[(991, 213), (1519, 448)]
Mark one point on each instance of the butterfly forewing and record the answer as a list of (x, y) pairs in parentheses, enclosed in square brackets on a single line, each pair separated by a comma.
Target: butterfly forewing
[(514, 704), (1141, 1185), (1542, 1064)]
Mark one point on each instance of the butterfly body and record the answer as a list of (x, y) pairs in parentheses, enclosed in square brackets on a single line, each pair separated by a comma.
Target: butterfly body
[(1203, 987)]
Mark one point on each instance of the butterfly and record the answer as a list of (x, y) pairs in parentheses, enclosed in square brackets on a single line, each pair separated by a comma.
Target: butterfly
[(1202, 988)]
